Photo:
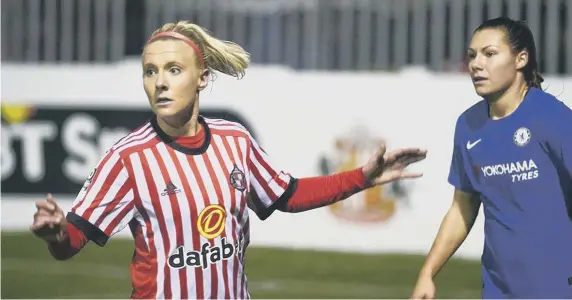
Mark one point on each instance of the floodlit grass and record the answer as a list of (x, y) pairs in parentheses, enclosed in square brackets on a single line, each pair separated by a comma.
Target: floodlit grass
[(28, 271)]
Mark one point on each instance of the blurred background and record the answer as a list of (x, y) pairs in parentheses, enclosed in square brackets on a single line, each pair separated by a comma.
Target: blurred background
[(329, 79)]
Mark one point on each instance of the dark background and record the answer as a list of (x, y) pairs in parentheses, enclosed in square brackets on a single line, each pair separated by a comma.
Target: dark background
[(55, 180)]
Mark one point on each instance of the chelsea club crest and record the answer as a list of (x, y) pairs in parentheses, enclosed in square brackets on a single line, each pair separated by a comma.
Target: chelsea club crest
[(521, 136)]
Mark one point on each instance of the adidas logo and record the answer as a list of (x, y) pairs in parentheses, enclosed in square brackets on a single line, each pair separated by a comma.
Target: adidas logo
[(171, 189)]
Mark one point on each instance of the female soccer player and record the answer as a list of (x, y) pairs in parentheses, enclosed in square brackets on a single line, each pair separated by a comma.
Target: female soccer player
[(512, 153), (183, 183)]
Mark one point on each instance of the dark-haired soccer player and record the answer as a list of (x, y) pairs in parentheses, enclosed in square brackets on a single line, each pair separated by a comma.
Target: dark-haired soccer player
[(512, 154)]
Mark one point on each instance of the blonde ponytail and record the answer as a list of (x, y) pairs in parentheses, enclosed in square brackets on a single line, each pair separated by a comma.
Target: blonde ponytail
[(223, 56)]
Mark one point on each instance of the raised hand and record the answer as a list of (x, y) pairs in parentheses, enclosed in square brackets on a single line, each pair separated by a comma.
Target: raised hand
[(385, 167), (49, 220)]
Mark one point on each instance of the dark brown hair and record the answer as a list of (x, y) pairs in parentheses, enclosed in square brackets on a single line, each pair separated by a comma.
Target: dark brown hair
[(519, 38)]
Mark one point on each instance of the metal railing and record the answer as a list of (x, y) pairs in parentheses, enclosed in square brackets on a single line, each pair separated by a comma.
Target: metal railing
[(302, 34), (63, 30)]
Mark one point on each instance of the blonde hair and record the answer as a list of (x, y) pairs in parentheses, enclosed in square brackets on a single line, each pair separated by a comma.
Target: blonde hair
[(223, 56)]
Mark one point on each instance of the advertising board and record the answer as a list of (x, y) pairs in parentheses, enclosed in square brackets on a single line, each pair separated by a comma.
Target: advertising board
[(311, 123), (53, 148)]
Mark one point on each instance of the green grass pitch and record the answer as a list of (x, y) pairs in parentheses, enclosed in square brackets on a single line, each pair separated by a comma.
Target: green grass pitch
[(28, 271)]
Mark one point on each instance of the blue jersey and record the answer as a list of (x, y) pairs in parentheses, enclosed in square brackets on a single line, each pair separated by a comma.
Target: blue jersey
[(521, 167)]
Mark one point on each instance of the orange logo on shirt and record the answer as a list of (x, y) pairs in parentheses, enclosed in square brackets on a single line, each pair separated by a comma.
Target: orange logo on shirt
[(211, 221)]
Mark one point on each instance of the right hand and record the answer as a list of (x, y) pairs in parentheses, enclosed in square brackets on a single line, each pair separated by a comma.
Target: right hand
[(424, 289), (49, 220)]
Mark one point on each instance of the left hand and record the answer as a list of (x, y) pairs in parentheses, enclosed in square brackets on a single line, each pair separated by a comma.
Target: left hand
[(385, 167)]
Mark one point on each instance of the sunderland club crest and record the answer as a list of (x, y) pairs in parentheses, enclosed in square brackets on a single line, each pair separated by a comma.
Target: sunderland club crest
[(377, 204), (237, 179)]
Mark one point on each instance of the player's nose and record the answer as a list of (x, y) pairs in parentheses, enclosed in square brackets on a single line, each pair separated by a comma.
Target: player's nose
[(161, 83), (476, 64)]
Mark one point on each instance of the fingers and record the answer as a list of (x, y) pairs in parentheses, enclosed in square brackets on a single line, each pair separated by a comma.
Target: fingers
[(412, 152), (382, 148), (43, 221), (404, 155), (381, 152), (408, 160), (421, 295), (46, 206), (48, 214), (42, 212), (405, 152), (396, 175), (50, 199), (49, 204), (48, 219), (405, 161), (410, 175)]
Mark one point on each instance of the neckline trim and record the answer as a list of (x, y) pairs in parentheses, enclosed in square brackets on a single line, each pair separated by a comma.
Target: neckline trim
[(169, 141), (530, 91)]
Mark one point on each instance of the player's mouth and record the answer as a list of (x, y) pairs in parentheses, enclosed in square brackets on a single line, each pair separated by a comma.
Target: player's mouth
[(164, 101), (479, 80)]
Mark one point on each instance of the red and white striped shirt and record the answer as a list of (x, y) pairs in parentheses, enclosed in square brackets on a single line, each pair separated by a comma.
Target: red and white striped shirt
[(186, 207)]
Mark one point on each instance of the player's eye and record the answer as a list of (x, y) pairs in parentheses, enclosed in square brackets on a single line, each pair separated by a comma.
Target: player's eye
[(489, 54), (471, 55), (175, 70), (150, 72)]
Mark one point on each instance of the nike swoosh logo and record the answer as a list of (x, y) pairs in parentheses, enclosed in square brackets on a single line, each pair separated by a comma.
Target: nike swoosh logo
[(473, 144)]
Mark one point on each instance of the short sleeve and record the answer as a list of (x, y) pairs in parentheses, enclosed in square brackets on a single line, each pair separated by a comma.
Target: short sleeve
[(269, 184), (105, 204), (458, 170), (562, 141)]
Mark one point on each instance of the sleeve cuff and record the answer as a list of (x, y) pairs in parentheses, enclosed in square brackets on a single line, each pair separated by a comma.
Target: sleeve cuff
[(460, 187), (92, 232), (363, 181), (265, 212)]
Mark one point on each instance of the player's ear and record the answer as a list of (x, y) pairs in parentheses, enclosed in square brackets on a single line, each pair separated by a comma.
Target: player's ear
[(521, 60), (203, 79)]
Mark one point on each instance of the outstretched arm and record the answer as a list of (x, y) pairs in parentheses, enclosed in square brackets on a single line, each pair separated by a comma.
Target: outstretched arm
[(271, 188), (316, 192)]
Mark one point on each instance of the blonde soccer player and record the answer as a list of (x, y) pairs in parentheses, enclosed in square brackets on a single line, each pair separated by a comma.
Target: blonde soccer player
[(184, 183)]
